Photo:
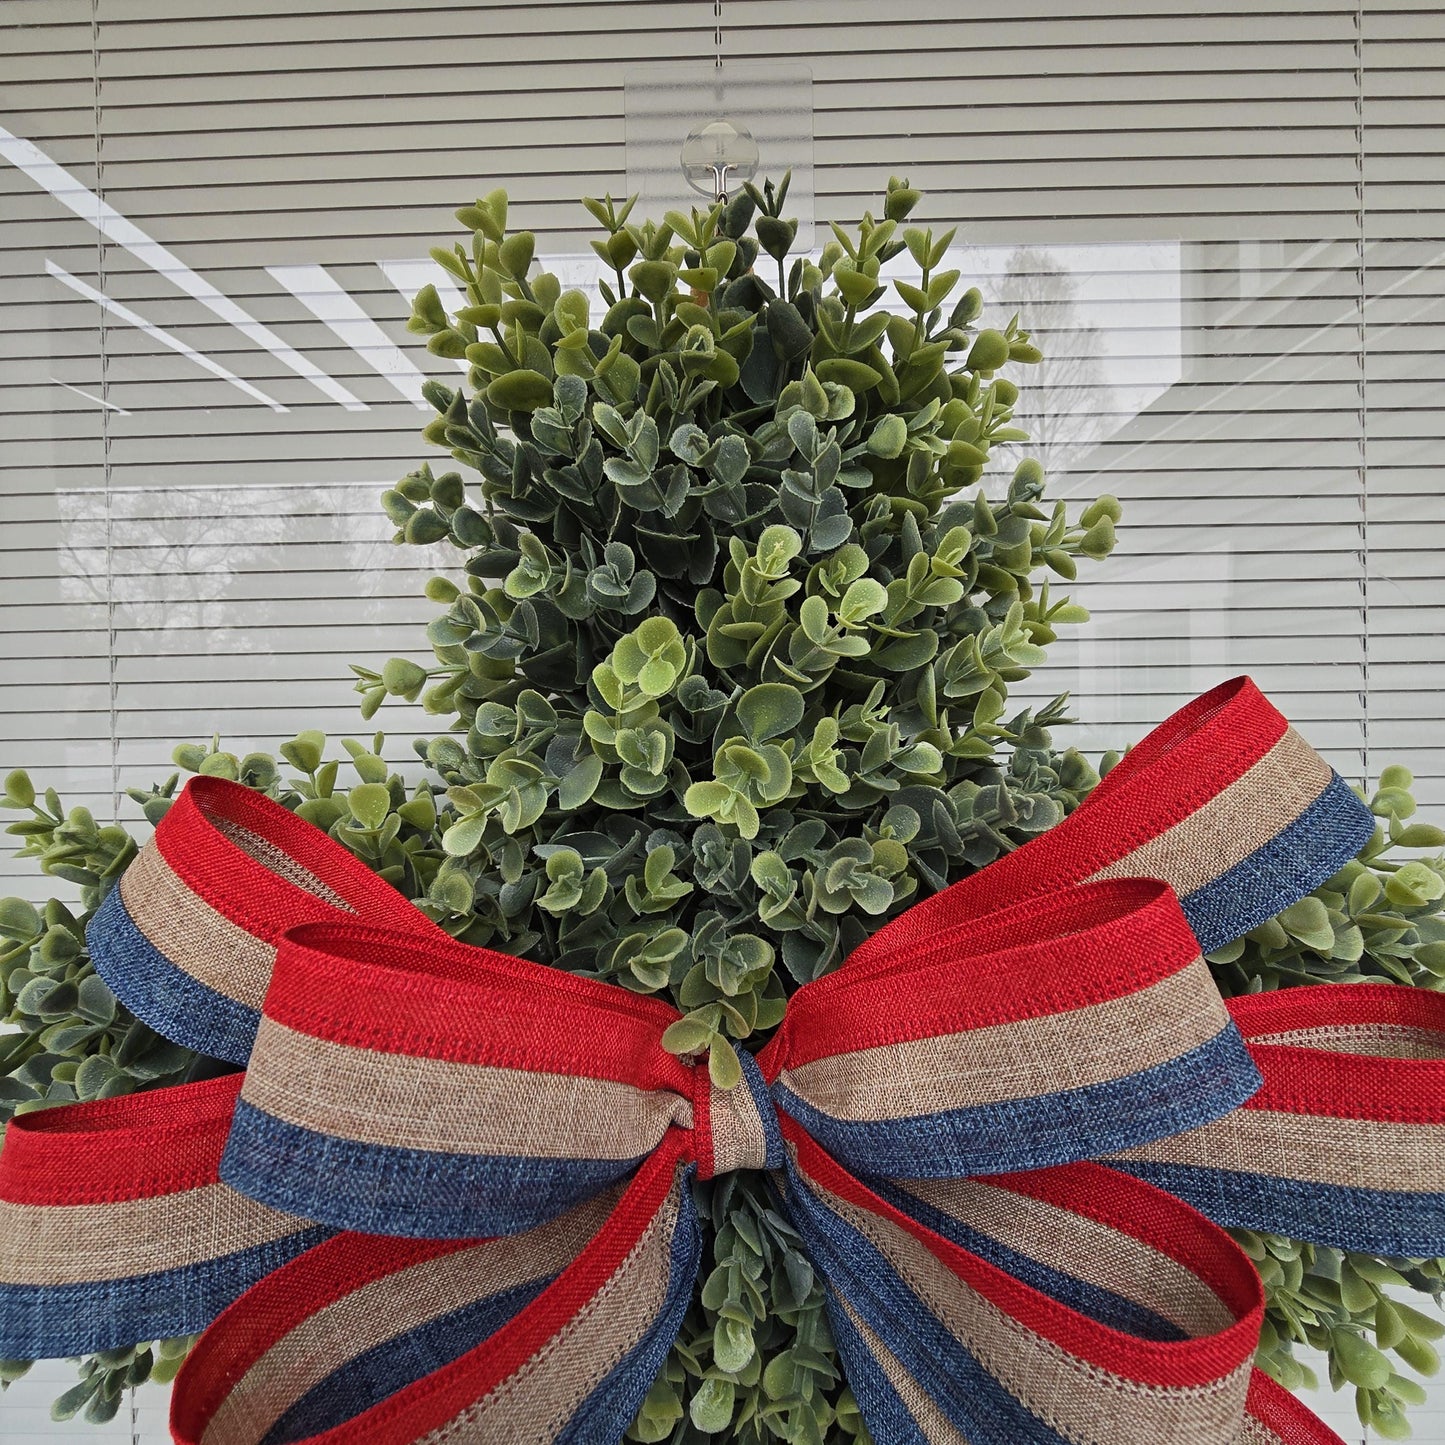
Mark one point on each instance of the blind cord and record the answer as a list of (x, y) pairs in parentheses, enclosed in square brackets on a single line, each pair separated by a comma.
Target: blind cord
[(112, 681), (113, 700), (1362, 386)]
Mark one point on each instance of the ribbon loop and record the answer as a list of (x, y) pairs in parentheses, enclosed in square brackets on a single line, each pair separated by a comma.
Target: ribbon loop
[(1345, 1142), (1224, 801), (418, 1086), (188, 939), (1046, 1033)]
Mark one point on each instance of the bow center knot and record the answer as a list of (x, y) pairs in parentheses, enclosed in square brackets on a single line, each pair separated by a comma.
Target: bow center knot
[(736, 1128)]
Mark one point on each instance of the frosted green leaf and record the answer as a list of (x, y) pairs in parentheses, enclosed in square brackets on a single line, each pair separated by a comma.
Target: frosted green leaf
[(522, 390), (711, 1407), (1361, 1363), (1309, 921), (769, 710), (463, 836), (19, 791), (369, 804)]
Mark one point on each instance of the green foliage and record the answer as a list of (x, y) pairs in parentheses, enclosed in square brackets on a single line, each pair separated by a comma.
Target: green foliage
[(74, 1041), (726, 603), (755, 1359), (1349, 1306), (1378, 919), (724, 679), (96, 1395)]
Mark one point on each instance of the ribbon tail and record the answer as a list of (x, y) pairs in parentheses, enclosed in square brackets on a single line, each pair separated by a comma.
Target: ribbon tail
[(1345, 1143), (903, 1414), (1093, 1308), (115, 1227), (552, 1335), (1028, 1225)]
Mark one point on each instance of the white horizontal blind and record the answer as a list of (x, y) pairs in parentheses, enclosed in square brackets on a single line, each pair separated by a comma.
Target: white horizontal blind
[(1224, 222), (1404, 373)]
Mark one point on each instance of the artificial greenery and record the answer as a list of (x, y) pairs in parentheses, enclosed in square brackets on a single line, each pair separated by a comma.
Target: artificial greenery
[(722, 684)]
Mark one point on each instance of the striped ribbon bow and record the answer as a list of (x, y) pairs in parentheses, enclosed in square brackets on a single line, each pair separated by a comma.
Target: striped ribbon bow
[(449, 1199)]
